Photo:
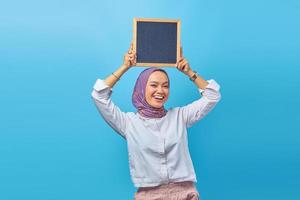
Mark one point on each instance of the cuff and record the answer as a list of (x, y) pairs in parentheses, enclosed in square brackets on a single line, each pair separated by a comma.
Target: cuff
[(100, 85), (212, 84)]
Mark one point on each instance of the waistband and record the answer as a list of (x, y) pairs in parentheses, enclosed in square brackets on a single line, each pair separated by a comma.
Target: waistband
[(169, 187)]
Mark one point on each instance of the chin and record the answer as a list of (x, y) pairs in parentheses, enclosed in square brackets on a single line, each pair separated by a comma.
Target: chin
[(157, 105)]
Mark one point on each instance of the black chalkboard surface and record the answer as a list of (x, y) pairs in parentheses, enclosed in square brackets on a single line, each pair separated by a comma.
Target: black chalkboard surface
[(156, 41)]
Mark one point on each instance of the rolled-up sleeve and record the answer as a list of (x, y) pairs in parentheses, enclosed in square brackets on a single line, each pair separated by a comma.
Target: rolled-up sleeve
[(109, 111), (195, 111)]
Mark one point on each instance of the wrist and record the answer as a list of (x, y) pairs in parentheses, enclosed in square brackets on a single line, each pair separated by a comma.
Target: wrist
[(190, 73), (193, 75), (125, 66)]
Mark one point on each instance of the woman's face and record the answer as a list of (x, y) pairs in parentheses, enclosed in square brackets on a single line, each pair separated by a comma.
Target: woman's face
[(157, 89)]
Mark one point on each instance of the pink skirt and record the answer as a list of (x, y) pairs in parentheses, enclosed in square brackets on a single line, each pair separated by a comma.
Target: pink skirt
[(172, 191)]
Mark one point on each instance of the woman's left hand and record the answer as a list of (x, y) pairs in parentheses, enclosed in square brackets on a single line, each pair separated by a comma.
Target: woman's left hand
[(182, 64)]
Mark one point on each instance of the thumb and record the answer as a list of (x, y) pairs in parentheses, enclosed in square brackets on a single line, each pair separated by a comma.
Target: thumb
[(181, 52)]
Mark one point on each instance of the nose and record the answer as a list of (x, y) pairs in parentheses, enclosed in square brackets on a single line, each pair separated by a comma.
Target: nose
[(160, 90)]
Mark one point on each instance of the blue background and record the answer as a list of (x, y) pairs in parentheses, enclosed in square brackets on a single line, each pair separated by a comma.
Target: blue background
[(54, 144)]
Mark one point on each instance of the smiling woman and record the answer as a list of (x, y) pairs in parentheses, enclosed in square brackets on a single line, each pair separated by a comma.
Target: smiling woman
[(160, 163), (157, 89)]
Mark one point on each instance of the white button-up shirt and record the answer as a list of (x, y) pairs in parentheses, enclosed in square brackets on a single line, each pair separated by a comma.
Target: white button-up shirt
[(157, 147)]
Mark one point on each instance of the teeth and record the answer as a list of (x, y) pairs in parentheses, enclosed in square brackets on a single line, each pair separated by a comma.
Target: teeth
[(158, 97)]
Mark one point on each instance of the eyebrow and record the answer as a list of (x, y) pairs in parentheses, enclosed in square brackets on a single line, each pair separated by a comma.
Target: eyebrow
[(158, 82)]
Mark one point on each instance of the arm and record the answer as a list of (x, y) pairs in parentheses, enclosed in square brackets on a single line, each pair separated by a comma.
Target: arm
[(101, 95), (109, 111), (184, 66), (199, 81), (129, 61), (195, 111), (210, 91)]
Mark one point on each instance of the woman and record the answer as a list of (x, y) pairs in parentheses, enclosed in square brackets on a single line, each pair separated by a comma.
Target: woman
[(160, 163)]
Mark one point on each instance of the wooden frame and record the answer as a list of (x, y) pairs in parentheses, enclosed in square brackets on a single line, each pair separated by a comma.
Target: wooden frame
[(178, 46)]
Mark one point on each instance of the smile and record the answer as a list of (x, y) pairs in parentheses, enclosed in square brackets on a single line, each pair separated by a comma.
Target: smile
[(158, 97)]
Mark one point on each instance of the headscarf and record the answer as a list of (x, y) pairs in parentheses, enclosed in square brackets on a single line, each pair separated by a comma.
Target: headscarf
[(139, 98)]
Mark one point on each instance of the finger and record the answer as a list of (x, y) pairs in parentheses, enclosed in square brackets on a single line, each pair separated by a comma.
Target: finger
[(132, 53), (131, 46), (181, 52), (179, 60), (185, 67), (184, 62), (134, 60), (180, 66), (177, 65)]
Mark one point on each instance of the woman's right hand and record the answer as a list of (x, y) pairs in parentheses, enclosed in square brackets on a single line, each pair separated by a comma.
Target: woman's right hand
[(130, 57)]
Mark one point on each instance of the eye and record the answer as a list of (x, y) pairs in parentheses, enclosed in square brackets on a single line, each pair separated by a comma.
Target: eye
[(153, 85), (166, 86)]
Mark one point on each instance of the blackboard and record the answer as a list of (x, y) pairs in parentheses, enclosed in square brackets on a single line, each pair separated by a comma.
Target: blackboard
[(156, 41)]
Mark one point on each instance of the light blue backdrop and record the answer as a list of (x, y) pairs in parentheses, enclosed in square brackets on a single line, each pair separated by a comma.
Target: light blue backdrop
[(53, 143)]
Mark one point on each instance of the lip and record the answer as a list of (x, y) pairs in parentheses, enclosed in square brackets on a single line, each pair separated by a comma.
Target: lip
[(158, 99)]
